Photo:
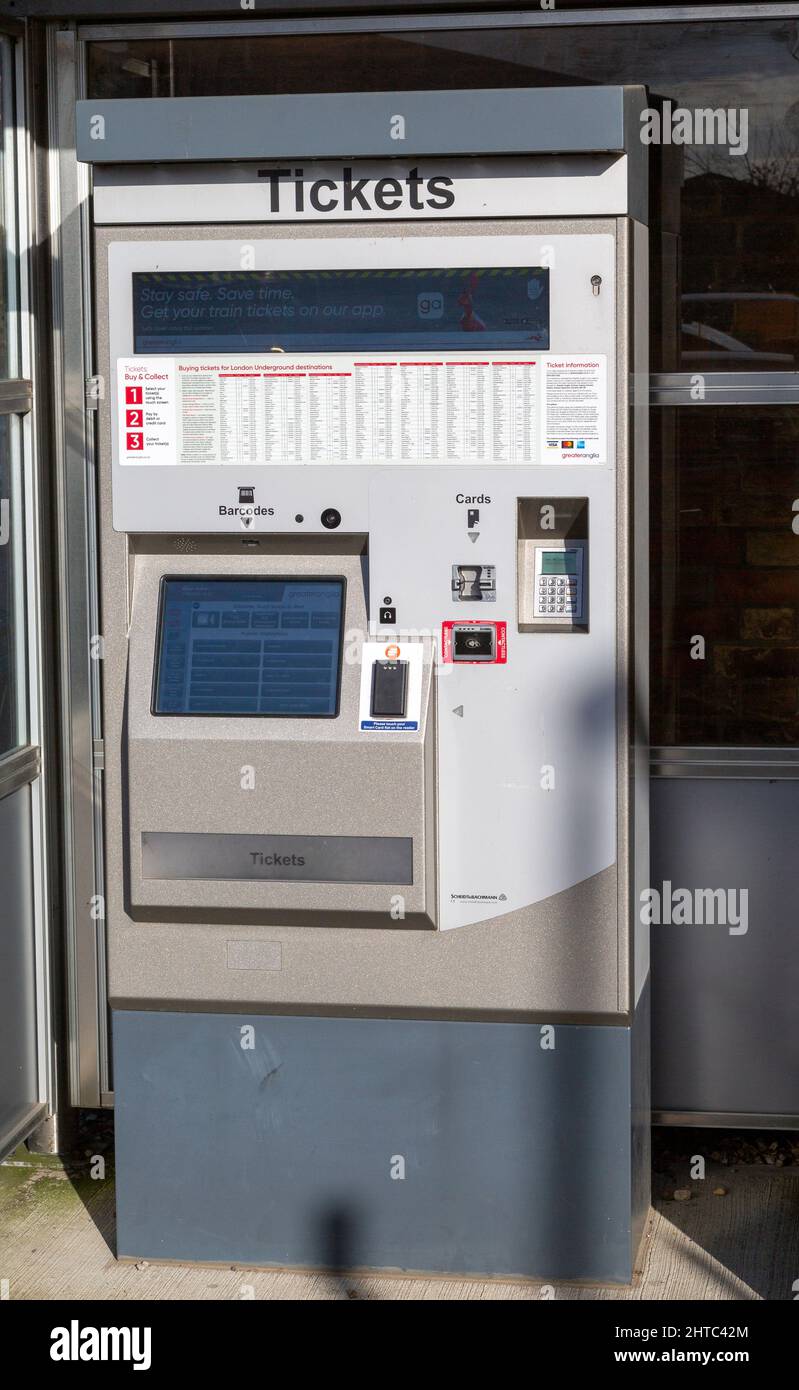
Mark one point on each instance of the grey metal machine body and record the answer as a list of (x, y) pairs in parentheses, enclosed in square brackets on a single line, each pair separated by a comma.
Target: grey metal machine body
[(373, 547)]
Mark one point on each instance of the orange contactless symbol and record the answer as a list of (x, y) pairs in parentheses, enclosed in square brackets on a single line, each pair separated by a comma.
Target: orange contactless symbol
[(392, 651)]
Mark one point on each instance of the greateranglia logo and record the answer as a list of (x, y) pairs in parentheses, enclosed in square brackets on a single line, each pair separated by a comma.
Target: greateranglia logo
[(290, 192)]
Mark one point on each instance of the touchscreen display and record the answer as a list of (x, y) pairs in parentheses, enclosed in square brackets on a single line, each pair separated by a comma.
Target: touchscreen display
[(252, 311), (249, 646)]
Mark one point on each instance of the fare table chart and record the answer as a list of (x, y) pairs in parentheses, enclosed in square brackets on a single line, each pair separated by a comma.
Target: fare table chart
[(401, 408)]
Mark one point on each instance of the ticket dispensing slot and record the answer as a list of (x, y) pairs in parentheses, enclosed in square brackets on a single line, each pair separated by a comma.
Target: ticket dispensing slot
[(552, 564)]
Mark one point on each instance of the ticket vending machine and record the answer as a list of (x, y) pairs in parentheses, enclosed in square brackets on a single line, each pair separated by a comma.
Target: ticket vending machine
[(372, 480)]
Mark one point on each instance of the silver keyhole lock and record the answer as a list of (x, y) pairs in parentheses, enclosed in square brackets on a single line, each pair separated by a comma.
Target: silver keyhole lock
[(596, 281)]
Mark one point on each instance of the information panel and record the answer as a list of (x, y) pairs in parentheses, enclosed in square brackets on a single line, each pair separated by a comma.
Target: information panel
[(341, 408), (249, 646)]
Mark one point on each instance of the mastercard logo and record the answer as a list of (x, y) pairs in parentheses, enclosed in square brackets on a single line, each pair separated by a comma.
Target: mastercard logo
[(392, 651)]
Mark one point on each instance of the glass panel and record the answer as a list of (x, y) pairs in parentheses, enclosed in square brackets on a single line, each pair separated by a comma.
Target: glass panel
[(726, 244), (12, 732), (6, 129), (12, 613), (725, 576), (310, 63)]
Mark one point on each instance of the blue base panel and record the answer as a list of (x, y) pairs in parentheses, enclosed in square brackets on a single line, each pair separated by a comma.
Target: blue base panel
[(342, 1143)]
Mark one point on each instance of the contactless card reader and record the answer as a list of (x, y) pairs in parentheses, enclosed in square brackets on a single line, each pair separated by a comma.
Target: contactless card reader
[(475, 642)]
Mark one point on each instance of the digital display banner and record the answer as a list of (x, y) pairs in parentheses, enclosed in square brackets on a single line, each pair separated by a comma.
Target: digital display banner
[(255, 311)]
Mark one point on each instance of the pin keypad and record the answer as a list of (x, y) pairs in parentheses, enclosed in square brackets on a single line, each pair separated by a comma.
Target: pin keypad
[(557, 595)]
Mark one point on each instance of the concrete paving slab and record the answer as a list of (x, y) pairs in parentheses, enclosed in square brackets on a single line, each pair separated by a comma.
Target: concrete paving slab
[(57, 1242)]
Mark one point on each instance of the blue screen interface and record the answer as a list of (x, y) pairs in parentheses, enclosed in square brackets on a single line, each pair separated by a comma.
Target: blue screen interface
[(249, 646)]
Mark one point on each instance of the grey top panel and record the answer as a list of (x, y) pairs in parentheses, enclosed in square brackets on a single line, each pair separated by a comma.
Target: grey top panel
[(495, 121)]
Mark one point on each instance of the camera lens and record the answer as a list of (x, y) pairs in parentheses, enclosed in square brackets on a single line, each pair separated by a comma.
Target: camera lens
[(330, 518)]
